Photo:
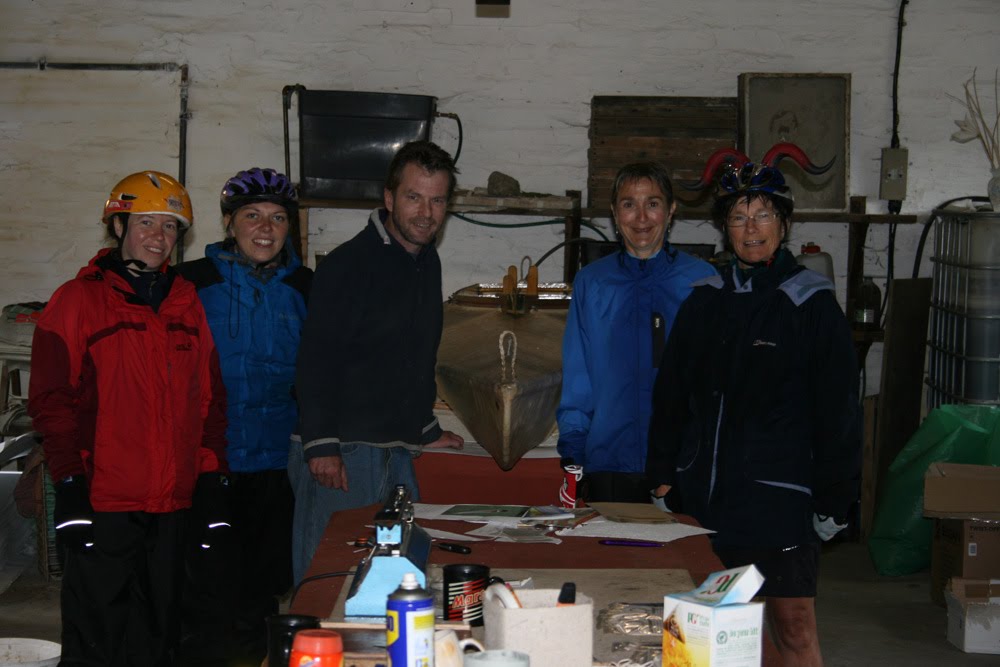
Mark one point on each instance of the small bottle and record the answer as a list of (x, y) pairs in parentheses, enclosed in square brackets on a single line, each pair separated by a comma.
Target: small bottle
[(814, 258), (868, 308), (409, 625), (317, 648)]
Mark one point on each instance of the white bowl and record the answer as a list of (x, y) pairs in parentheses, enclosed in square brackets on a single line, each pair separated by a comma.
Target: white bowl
[(21, 652)]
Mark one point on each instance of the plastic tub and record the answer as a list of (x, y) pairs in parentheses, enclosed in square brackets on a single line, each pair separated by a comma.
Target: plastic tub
[(22, 652)]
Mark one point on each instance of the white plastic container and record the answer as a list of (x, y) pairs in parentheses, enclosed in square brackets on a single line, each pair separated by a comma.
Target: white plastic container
[(21, 652), (814, 258)]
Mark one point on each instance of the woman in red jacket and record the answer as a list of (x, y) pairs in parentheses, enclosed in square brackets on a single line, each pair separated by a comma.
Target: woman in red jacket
[(126, 392)]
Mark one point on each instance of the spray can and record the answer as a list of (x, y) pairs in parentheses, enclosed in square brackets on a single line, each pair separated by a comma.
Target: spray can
[(409, 624)]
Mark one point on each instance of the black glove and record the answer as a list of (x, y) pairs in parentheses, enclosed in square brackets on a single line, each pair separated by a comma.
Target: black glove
[(210, 509), (73, 515)]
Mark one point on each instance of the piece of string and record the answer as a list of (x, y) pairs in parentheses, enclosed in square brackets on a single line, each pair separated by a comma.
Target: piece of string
[(511, 352)]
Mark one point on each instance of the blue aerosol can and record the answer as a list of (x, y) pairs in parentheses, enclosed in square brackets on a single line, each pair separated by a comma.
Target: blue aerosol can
[(409, 625)]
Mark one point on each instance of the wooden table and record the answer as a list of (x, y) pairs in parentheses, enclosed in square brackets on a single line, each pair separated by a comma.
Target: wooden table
[(693, 554)]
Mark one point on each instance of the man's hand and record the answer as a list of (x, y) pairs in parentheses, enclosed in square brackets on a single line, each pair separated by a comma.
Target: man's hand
[(447, 439), (329, 471)]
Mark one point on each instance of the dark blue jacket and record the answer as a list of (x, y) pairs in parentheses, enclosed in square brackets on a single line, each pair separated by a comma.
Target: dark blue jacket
[(619, 319), (366, 368), (257, 325), (756, 421)]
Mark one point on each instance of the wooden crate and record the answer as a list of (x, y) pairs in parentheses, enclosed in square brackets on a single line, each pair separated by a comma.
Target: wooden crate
[(680, 132)]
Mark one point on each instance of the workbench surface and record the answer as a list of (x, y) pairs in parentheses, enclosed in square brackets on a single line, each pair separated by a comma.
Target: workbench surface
[(334, 554)]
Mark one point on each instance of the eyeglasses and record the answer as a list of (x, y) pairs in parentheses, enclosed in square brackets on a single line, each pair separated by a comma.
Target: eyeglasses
[(762, 218)]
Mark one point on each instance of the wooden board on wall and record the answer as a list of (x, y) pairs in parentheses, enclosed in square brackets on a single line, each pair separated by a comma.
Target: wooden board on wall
[(902, 371), (680, 132), (812, 111)]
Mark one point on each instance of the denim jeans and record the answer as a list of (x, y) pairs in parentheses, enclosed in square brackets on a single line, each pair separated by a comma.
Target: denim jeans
[(372, 474)]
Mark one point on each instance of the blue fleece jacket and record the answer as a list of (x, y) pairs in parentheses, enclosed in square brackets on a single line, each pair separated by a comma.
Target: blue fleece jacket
[(256, 319), (619, 319)]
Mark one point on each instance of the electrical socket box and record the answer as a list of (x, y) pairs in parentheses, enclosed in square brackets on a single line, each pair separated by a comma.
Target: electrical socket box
[(493, 9), (892, 180)]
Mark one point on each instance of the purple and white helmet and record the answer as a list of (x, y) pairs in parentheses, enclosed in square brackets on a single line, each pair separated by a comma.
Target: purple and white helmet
[(258, 185)]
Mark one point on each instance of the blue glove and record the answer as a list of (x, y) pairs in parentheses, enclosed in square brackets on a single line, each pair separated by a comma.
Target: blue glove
[(826, 526), (73, 515), (210, 509)]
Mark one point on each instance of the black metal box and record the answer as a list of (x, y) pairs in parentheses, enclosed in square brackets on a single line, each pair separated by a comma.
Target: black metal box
[(347, 139)]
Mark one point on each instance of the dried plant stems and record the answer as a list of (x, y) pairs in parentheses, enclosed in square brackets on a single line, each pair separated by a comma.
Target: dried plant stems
[(987, 135), (976, 126)]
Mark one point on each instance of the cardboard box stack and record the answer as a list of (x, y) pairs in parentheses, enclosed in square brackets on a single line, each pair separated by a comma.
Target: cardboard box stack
[(964, 501), (715, 624)]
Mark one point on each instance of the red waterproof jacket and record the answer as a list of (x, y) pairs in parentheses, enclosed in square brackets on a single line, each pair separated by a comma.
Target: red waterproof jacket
[(130, 397)]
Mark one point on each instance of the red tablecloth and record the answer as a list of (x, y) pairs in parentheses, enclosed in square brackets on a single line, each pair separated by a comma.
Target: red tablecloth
[(447, 478), (334, 554)]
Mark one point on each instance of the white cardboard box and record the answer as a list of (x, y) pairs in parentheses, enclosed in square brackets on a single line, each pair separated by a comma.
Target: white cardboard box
[(716, 624), (552, 636), (974, 614)]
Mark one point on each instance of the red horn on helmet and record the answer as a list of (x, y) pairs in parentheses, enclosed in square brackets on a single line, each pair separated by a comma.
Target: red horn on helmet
[(785, 149), (716, 160)]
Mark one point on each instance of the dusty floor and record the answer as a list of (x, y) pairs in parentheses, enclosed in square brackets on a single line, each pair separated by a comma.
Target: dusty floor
[(864, 619)]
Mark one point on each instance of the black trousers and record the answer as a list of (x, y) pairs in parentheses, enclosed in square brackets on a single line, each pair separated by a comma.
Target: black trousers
[(614, 487), (233, 587), (120, 597)]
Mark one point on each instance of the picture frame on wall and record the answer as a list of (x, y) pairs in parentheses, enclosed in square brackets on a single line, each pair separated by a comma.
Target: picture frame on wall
[(812, 111)]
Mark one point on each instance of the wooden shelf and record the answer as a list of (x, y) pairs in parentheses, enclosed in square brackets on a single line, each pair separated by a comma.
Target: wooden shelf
[(550, 206), (804, 216)]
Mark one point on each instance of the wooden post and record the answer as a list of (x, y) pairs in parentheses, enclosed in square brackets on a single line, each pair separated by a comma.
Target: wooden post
[(300, 239), (856, 233), (571, 251)]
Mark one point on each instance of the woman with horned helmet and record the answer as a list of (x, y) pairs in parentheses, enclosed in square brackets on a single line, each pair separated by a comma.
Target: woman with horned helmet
[(756, 422)]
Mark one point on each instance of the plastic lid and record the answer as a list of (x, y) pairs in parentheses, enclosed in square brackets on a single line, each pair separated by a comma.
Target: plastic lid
[(318, 642), (409, 582), (810, 248)]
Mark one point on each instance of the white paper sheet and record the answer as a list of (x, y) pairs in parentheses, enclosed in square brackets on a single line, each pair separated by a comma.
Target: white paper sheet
[(654, 532), (429, 512), (453, 537)]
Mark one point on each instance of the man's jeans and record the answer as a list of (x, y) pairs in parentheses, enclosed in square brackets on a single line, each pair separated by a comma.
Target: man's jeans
[(372, 474)]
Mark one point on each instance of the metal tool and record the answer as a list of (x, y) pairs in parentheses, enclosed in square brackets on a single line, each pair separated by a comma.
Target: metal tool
[(401, 546)]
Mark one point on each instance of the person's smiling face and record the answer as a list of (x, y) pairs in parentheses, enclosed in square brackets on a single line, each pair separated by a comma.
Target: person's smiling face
[(642, 214), (259, 229), (755, 231), (149, 238)]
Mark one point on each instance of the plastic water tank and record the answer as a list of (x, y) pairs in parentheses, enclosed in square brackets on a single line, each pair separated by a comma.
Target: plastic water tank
[(814, 258)]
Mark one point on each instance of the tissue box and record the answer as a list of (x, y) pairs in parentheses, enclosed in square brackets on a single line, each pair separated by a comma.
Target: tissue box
[(715, 624), (550, 635)]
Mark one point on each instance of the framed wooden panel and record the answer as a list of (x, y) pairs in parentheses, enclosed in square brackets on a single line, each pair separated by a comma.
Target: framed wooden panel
[(680, 132), (812, 111)]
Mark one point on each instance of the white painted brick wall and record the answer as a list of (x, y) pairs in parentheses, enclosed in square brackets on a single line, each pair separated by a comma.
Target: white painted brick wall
[(522, 87)]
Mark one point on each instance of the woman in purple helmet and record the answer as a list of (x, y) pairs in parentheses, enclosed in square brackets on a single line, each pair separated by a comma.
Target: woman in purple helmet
[(254, 289), (756, 422)]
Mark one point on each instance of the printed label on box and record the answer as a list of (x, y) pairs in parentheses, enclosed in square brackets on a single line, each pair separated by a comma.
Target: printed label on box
[(699, 629)]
